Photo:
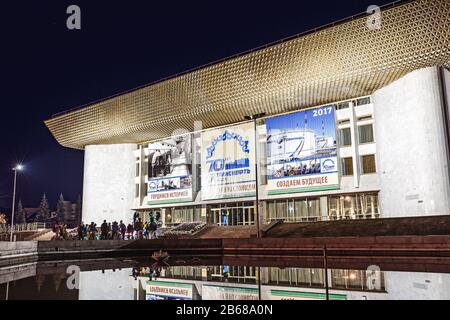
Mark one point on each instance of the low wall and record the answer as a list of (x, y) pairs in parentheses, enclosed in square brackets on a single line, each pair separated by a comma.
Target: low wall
[(17, 252)]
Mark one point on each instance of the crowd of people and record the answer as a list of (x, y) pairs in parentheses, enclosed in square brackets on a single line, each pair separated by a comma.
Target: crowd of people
[(60, 231), (119, 230)]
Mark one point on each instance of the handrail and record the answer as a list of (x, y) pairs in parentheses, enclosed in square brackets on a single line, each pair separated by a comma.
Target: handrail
[(23, 227)]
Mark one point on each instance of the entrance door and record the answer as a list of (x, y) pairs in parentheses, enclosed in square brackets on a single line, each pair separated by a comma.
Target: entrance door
[(233, 216)]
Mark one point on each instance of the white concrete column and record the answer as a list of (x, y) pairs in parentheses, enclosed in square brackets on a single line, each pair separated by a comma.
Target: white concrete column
[(355, 143), (412, 160), (109, 183)]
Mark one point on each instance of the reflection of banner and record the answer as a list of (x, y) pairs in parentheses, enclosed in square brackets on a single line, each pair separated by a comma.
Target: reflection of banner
[(170, 170), (295, 295), (162, 290), (301, 151), (228, 156), (228, 293)]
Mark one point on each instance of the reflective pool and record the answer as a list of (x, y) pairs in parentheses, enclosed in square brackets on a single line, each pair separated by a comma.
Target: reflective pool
[(198, 278)]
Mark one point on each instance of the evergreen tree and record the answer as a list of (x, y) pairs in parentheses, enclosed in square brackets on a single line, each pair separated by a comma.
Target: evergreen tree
[(20, 214), (44, 210), (61, 209)]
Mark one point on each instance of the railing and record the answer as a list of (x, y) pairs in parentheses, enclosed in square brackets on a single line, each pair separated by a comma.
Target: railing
[(34, 226)]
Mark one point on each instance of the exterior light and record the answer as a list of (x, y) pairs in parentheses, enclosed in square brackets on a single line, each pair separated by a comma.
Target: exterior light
[(19, 167)]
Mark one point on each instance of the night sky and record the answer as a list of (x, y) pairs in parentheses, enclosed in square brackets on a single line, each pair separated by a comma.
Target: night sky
[(46, 68)]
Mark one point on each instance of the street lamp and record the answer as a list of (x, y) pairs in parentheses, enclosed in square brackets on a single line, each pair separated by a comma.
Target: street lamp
[(17, 168), (254, 118)]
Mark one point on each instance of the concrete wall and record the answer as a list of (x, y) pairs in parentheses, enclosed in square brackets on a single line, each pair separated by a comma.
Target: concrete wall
[(411, 146), (108, 190)]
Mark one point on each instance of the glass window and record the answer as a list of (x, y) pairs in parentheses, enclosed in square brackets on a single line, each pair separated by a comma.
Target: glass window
[(137, 191), (281, 209), (314, 208), (137, 169), (353, 206), (363, 101), (343, 105), (301, 209), (365, 133), (345, 138), (347, 166), (272, 214), (368, 164)]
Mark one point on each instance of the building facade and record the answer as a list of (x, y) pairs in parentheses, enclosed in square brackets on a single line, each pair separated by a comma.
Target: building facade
[(361, 133)]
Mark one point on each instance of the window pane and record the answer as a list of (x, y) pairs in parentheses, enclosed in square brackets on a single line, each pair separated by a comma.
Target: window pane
[(347, 166), (368, 164), (345, 138), (314, 208), (365, 133), (137, 169), (281, 209)]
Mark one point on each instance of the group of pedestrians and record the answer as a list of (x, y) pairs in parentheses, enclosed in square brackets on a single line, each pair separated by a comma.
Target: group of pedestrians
[(119, 230), (60, 231)]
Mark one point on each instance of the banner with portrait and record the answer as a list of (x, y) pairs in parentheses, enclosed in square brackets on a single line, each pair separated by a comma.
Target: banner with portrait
[(170, 170)]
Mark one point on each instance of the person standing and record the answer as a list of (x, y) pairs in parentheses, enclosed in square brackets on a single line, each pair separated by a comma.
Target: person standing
[(104, 231), (138, 227), (115, 231), (122, 229), (80, 231), (130, 232)]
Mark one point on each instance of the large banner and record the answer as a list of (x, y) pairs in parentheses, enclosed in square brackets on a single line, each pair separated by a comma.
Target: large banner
[(302, 152), (228, 167), (170, 170)]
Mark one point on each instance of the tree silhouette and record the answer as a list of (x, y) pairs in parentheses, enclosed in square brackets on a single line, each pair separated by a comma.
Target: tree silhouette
[(61, 209), (43, 212), (20, 214)]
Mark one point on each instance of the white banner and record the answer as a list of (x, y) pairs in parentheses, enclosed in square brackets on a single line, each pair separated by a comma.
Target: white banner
[(228, 162)]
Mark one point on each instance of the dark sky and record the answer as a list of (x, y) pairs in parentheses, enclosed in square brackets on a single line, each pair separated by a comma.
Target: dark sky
[(45, 68)]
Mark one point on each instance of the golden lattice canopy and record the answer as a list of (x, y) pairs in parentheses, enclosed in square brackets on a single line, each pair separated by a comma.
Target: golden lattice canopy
[(341, 61)]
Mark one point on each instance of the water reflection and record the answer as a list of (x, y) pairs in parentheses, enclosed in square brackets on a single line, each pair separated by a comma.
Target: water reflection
[(138, 280)]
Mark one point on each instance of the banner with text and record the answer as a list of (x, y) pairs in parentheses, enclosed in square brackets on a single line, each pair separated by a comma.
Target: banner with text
[(170, 170), (228, 156), (302, 151)]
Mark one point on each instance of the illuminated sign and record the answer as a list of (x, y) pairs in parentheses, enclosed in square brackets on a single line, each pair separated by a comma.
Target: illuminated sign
[(302, 151), (228, 156)]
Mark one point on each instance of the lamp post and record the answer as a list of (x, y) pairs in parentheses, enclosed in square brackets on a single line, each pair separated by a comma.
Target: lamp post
[(254, 118), (18, 167)]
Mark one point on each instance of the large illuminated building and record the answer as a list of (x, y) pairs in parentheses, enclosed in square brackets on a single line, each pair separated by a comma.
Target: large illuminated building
[(355, 126)]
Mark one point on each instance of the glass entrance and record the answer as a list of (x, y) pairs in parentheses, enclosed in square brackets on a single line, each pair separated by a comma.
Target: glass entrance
[(232, 215)]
